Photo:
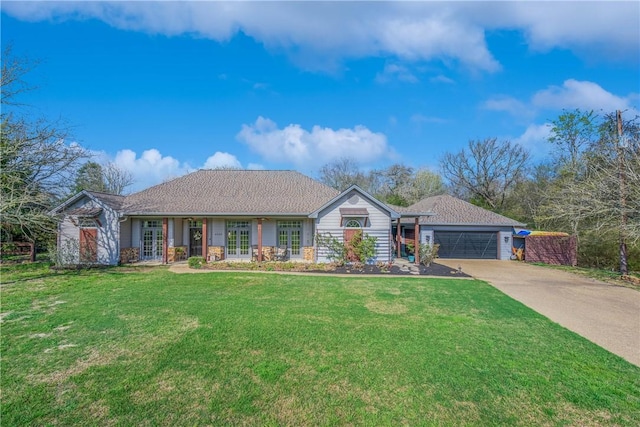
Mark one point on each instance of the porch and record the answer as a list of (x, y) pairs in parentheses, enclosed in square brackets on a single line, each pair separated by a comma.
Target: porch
[(170, 240)]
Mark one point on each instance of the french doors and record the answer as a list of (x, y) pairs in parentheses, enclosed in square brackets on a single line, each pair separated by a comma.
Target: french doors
[(238, 239)]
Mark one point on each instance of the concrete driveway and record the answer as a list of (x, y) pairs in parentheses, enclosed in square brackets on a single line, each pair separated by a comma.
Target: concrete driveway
[(605, 314)]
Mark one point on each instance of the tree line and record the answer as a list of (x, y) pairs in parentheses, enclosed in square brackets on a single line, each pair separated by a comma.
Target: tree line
[(590, 187)]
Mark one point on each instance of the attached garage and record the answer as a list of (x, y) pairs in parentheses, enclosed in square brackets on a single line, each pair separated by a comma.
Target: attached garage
[(467, 244), (462, 230)]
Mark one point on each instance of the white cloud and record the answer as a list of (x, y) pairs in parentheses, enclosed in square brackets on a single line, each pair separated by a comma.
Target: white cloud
[(441, 79), (393, 72), (534, 139), (310, 149), (594, 29), (508, 104), (321, 34), (150, 168), (222, 160), (580, 94)]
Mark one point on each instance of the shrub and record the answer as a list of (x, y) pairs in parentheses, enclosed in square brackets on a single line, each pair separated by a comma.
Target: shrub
[(196, 262), (336, 250), (364, 246), (428, 253)]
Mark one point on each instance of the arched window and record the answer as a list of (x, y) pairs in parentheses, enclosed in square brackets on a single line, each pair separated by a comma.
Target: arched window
[(353, 223)]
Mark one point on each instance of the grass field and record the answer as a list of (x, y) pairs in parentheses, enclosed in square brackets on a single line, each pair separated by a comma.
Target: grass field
[(149, 347)]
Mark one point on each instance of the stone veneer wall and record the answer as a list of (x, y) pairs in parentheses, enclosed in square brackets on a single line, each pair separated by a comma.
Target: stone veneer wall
[(128, 255), (174, 254), (268, 253), (308, 253), (215, 253)]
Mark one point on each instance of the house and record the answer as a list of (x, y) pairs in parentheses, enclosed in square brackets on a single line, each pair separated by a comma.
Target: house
[(220, 214), (461, 229), (260, 215)]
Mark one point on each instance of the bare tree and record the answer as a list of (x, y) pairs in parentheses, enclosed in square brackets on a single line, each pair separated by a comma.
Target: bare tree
[(36, 162), (116, 179), (603, 199), (342, 173), (486, 171)]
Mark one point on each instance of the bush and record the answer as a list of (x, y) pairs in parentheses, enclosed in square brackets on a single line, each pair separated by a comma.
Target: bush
[(196, 262), (336, 250), (428, 253)]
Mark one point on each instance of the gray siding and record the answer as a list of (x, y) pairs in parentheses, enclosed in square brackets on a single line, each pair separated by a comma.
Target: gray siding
[(504, 248), (108, 232), (378, 225), (125, 234), (217, 232)]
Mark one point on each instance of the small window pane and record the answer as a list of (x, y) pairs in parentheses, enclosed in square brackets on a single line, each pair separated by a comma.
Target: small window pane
[(353, 223)]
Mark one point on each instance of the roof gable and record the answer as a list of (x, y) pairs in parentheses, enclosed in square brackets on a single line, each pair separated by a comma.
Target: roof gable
[(392, 213), (111, 201), (450, 210)]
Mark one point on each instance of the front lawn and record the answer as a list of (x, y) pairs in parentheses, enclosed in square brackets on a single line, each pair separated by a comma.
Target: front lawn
[(149, 347)]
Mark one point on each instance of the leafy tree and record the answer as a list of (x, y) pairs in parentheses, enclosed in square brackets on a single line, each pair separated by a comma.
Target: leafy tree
[(571, 134), (486, 171), (106, 179), (90, 177), (36, 162), (602, 197)]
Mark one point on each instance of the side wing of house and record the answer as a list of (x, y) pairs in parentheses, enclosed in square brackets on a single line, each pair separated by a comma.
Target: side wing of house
[(351, 211), (88, 232)]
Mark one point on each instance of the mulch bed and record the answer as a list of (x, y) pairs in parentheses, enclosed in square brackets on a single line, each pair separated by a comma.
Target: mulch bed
[(434, 269)]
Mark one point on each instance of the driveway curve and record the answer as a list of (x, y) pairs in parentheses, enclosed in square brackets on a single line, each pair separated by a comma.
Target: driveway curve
[(605, 314)]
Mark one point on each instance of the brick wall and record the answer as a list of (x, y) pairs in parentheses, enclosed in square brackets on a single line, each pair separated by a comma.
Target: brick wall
[(557, 250)]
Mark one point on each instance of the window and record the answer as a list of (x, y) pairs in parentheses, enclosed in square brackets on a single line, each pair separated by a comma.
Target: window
[(289, 224), (237, 224), (87, 223), (353, 223)]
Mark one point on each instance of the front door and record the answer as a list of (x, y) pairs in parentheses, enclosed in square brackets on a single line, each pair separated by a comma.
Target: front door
[(289, 236), (151, 239), (195, 238), (88, 245), (238, 239)]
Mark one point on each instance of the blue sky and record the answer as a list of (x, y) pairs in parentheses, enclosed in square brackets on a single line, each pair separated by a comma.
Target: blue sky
[(164, 88)]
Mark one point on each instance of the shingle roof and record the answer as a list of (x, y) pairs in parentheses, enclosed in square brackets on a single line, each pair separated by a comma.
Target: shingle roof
[(232, 192), (114, 201), (450, 210)]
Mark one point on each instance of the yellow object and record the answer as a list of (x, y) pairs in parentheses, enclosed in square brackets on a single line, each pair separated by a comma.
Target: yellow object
[(548, 233)]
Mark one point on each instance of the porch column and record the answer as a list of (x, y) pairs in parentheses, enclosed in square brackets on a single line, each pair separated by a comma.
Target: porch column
[(204, 239), (398, 240), (259, 239), (165, 240), (416, 239)]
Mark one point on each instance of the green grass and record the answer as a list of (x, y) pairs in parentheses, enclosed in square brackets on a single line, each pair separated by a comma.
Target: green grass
[(148, 347)]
